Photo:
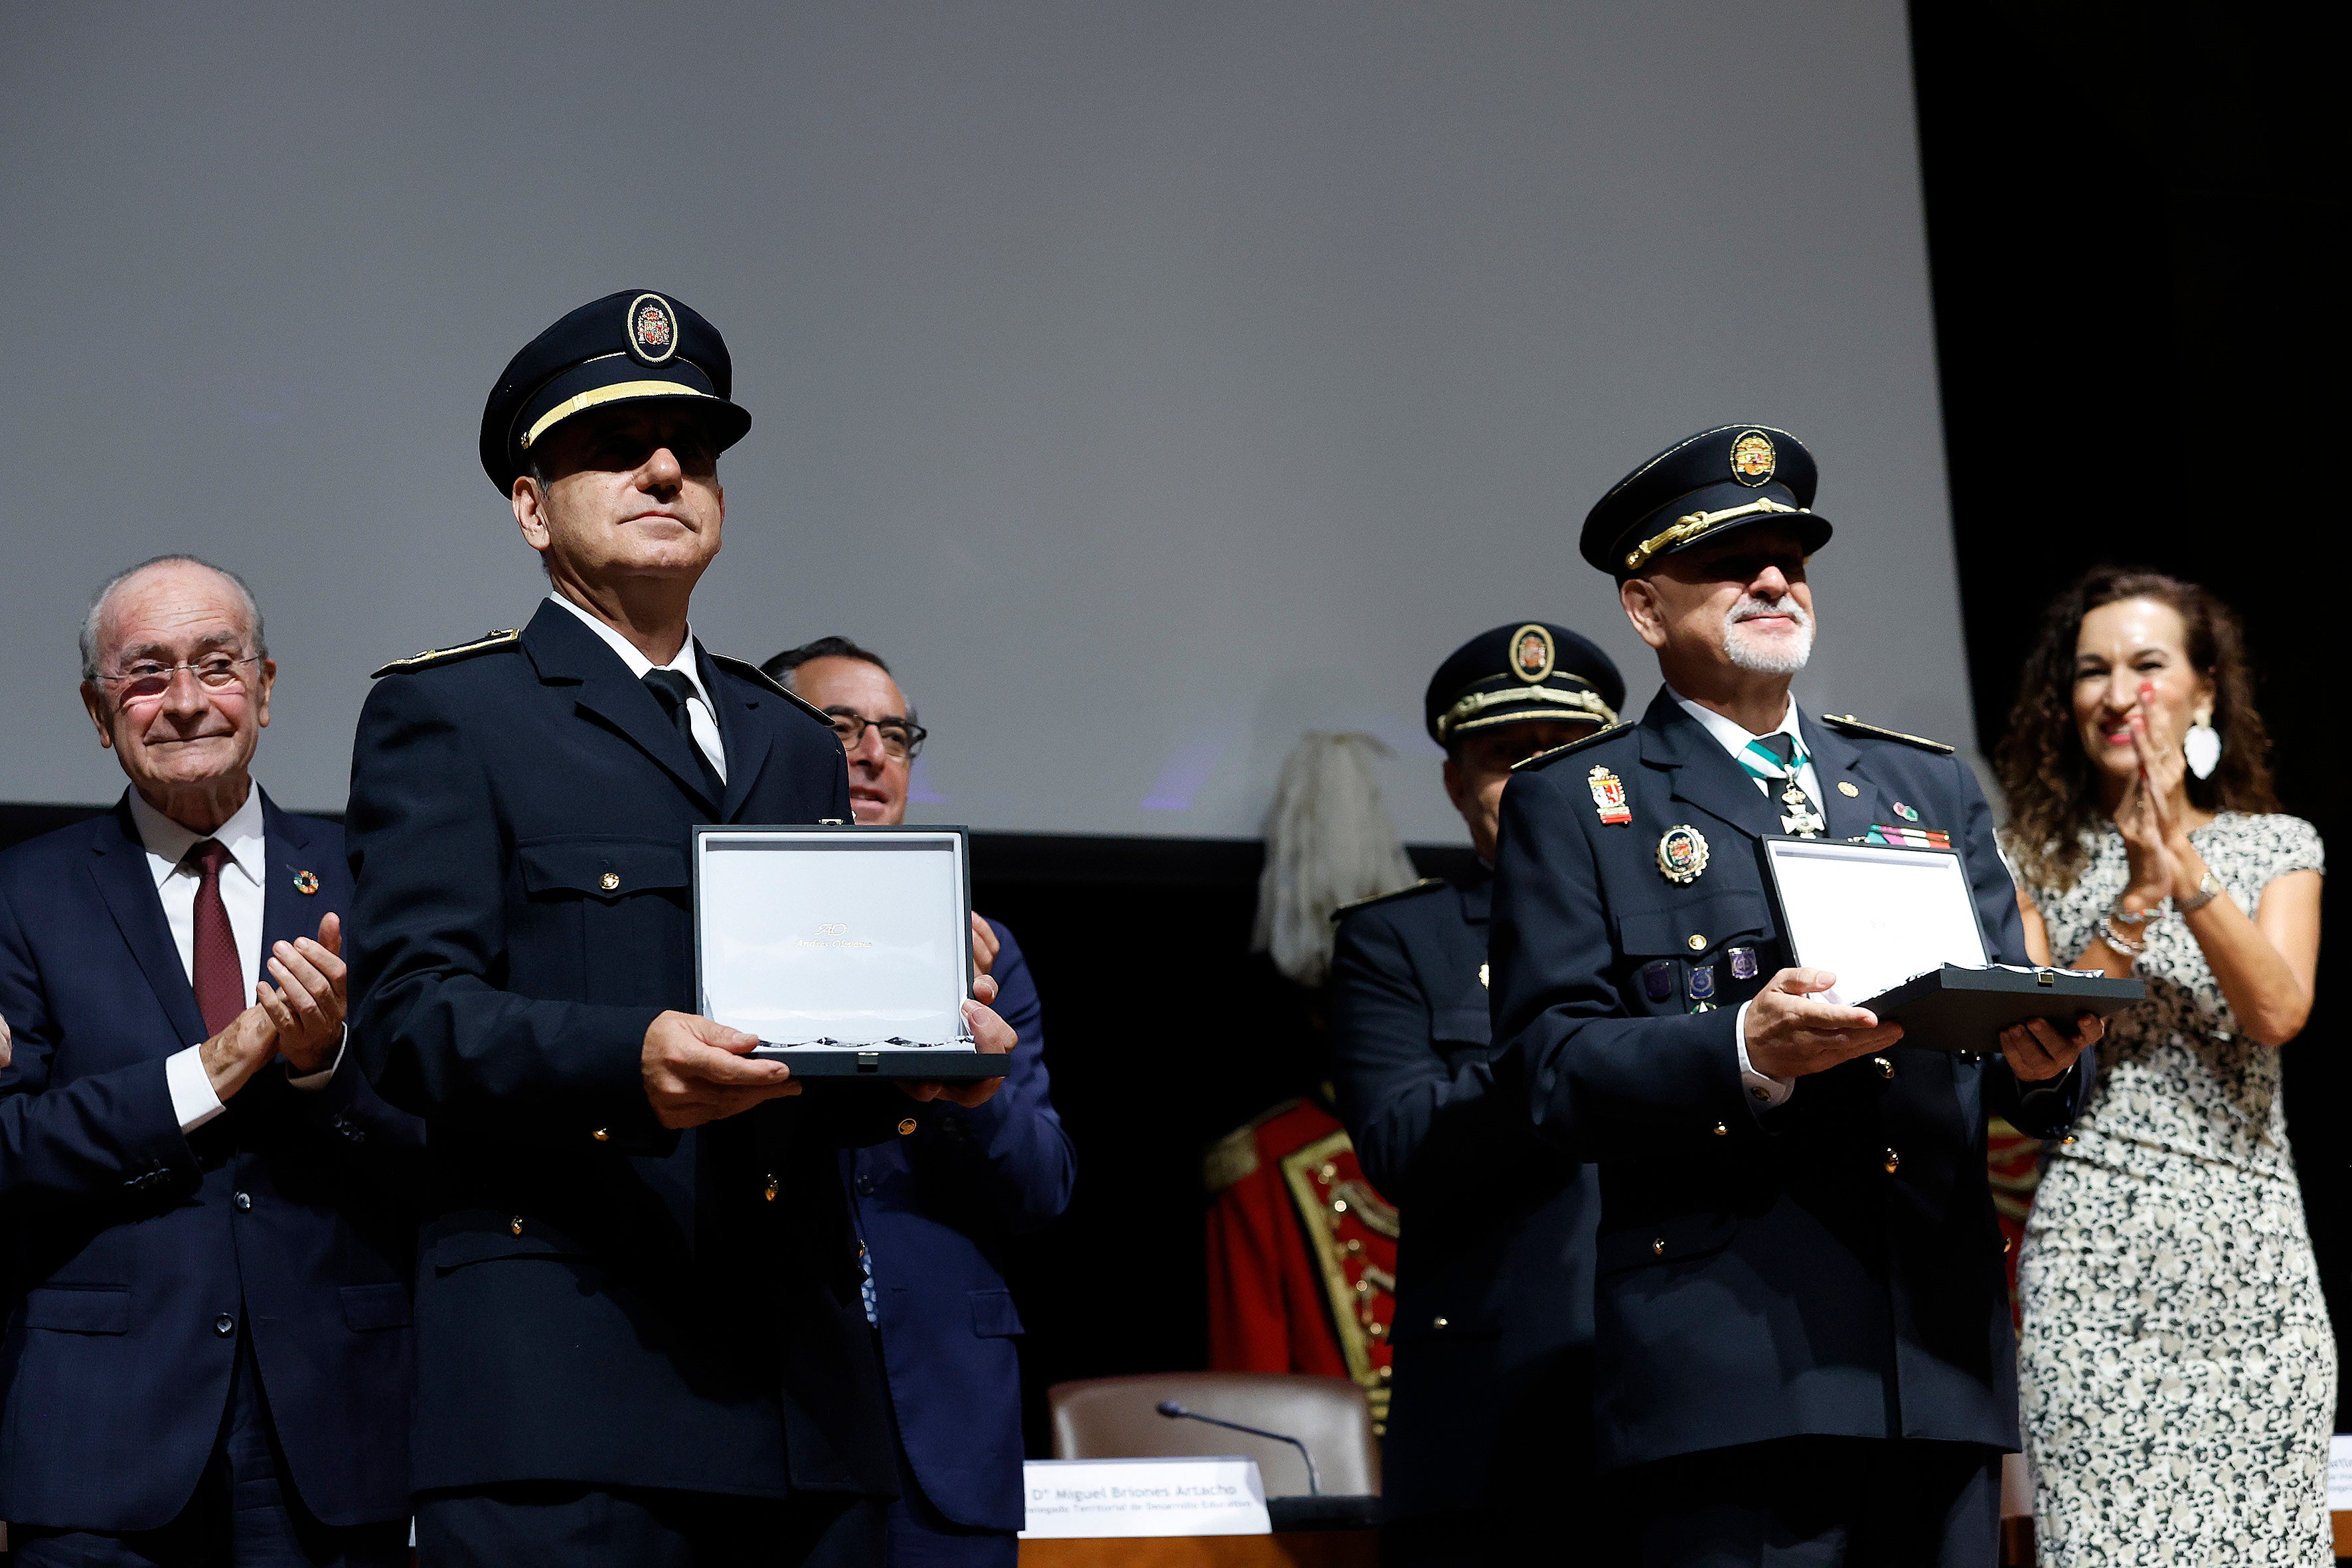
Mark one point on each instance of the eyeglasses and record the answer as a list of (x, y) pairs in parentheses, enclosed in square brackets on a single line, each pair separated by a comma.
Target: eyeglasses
[(901, 738), (151, 678)]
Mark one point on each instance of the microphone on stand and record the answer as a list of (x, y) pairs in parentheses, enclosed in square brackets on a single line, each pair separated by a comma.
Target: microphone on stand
[(1175, 1412)]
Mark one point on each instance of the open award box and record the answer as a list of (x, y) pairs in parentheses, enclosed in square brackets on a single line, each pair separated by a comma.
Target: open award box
[(1898, 926), (847, 949)]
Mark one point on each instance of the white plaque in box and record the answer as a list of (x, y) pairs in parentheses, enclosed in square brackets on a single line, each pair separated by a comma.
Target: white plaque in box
[(847, 949), (1898, 926)]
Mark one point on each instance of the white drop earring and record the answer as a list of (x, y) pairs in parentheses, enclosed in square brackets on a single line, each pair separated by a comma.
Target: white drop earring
[(2202, 746)]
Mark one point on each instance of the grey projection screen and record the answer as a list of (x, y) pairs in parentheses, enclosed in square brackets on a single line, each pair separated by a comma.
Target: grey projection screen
[(1150, 383)]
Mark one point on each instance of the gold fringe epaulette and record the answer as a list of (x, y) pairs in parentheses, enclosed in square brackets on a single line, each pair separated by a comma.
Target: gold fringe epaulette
[(1847, 724), (1234, 1155), (432, 655), (1421, 887), (766, 682), (1541, 758)]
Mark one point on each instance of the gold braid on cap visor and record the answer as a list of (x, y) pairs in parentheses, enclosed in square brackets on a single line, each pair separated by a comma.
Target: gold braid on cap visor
[(1463, 714), (1691, 525), (596, 396)]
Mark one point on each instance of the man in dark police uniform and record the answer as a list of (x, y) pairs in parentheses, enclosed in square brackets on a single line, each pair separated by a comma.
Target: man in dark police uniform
[(638, 1341), (1803, 1340), (1489, 1430)]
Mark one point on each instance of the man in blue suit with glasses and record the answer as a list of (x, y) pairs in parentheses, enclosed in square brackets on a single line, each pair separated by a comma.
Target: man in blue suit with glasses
[(935, 1206)]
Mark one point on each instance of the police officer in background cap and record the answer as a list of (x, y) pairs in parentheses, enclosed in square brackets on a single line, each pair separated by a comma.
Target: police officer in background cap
[(1801, 1336), (1489, 1436), (639, 1335)]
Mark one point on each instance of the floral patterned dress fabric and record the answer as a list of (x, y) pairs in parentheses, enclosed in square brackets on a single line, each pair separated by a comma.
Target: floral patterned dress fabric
[(2176, 1367)]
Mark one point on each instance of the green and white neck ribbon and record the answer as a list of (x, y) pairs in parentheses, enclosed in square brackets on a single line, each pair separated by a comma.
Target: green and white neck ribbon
[(1761, 762)]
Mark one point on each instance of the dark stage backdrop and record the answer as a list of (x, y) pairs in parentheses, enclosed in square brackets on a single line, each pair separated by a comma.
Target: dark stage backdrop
[(2142, 340)]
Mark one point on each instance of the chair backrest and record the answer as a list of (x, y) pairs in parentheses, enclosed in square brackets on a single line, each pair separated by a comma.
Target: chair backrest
[(1117, 1418)]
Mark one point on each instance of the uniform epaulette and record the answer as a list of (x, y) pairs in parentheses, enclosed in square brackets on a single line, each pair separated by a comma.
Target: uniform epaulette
[(1541, 758), (432, 655), (1234, 1155), (762, 678), (1846, 723), (1421, 887)]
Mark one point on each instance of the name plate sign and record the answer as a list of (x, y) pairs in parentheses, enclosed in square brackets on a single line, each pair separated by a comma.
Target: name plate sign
[(1081, 1498)]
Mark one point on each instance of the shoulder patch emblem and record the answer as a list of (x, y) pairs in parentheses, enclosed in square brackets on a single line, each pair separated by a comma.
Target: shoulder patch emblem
[(432, 655), (1846, 723), (1543, 757), (1421, 887), (766, 682)]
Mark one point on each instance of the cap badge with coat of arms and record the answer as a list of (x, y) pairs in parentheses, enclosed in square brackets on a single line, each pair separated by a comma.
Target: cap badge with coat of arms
[(1532, 654), (1753, 459), (653, 329)]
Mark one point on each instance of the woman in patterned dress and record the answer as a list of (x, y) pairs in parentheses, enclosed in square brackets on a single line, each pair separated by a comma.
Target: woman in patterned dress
[(2176, 1368)]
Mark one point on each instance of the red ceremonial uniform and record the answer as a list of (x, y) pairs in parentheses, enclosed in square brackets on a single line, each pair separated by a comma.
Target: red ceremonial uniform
[(1302, 1252)]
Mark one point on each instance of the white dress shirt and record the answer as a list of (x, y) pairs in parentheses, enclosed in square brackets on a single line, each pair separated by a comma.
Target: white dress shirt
[(701, 716), (1733, 737), (241, 890)]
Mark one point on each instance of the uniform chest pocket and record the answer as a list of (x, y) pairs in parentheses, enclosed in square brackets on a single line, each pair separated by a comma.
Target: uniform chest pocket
[(1693, 928), (604, 869), (610, 915)]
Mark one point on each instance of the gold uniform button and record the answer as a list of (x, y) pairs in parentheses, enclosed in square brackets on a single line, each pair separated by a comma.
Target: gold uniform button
[(1885, 1069), (601, 1135), (515, 1224), (609, 881), (1847, 790), (906, 1126), (1696, 942), (1659, 1246), (1721, 1130), (1893, 1162)]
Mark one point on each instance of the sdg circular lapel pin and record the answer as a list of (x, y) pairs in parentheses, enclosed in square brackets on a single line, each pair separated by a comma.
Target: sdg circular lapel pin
[(1682, 855), (306, 882)]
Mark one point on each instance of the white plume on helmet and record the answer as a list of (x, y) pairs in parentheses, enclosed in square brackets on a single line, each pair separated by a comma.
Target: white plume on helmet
[(1328, 842)]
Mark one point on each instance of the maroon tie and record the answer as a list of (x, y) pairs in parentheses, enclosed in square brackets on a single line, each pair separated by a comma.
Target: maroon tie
[(221, 991)]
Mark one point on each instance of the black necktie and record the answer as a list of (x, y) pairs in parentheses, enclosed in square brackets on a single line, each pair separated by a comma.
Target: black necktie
[(1802, 813), (671, 689)]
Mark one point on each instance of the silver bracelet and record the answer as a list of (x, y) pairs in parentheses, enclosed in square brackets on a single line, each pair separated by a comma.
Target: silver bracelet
[(2209, 890), (2117, 939)]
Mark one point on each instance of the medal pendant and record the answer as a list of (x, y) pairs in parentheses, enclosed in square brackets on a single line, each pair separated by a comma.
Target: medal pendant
[(1802, 819)]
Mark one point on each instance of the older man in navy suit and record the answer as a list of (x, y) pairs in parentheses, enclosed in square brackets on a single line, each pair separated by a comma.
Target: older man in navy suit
[(209, 1361), (1800, 1319), (934, 1206)]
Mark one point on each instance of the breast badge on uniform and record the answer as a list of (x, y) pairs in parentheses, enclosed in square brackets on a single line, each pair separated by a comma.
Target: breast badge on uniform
[(653, 329), (1908, 813), (1743, 961), (306, 882), (1609, 797), (1753, 459), (1532, 653), (1682, 855)]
